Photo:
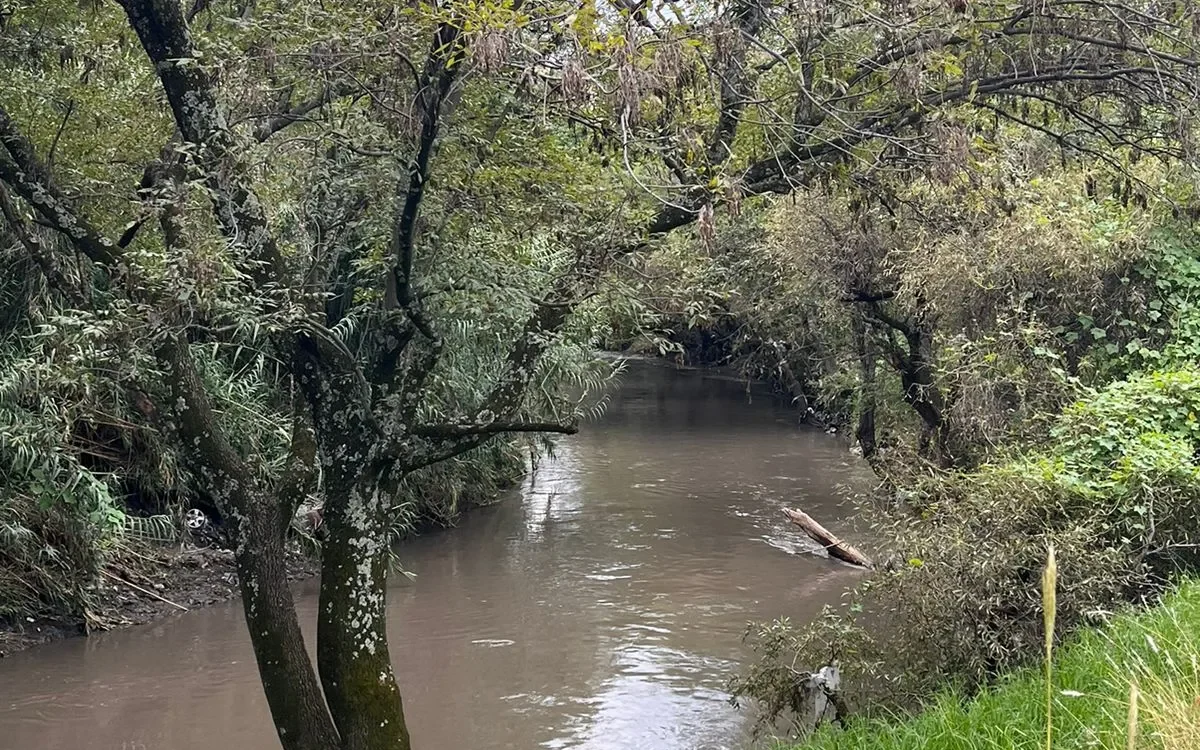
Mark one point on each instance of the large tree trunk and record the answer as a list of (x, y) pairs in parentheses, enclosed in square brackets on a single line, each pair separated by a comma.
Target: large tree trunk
[(352, 646), (297, 707), (288, 679)]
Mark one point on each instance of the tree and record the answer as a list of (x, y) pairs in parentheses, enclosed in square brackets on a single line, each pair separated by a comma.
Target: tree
[(354, 333), (847, 89), (865, 98)]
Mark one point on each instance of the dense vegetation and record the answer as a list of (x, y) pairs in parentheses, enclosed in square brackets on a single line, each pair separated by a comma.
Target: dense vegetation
[(266, 258), (1009, 402), (1094, 684)]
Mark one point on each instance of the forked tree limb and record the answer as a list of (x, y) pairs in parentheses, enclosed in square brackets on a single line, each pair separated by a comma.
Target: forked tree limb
[(822, 536)]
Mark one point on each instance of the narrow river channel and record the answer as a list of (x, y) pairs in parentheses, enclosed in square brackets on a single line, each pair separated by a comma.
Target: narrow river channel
[(599, 607)]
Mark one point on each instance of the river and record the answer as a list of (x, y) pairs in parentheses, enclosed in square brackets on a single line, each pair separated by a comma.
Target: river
[(599, 607)]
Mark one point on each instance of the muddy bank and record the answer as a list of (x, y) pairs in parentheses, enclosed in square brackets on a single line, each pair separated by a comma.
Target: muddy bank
[(145, 586), (156, 582)]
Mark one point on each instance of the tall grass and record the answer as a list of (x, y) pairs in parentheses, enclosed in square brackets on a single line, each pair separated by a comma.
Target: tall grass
[(1049, 610), (1094, 698)]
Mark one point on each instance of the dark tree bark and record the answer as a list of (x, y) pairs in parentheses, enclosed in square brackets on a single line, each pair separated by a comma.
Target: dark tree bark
[(296, 702), (864, 431), (908, 344)]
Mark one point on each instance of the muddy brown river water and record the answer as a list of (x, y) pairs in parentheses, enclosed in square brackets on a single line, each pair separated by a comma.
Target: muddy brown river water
[(599, 607)]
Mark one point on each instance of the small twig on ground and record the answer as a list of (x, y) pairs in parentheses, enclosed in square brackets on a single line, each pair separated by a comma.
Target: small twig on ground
[(148, 592)]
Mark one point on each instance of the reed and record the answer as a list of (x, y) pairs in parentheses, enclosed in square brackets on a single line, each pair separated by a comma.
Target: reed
[(1049, 609), (1131, 718)]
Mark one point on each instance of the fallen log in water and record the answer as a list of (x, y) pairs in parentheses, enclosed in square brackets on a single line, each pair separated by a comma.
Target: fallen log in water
[(822, 536)]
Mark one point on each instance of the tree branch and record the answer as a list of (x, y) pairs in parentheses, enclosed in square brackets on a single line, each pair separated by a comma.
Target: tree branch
[(33, 245), (277, 122), (192, 95), (465, 429), (441, 70), (21, 168)]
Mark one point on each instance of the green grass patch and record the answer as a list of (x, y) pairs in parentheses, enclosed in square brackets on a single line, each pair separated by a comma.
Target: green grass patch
[(1158, 649)]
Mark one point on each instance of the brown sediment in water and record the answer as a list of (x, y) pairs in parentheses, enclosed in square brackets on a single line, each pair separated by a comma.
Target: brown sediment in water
[(600, 606)]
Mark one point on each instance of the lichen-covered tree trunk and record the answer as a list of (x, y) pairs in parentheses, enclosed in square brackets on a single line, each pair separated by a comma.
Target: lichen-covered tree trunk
[(352, 649), (288, 679), (352, 646)]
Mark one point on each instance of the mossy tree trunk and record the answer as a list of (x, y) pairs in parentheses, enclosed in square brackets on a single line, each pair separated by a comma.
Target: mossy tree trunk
[(259, 518), (352, 644)]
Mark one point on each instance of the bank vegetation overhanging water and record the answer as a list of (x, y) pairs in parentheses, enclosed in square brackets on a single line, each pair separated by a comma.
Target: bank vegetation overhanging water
[(1062, 413), (266, 259)]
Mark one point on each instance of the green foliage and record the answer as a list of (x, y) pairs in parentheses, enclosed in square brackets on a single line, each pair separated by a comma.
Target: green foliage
[(1144, 429), (1159, 649), (1114, 492), (1172, 312), (513, 209), (57, 517)]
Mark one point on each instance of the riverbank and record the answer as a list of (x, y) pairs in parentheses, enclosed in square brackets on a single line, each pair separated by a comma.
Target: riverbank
[(143, 586), (144, 582), (1159, 649)]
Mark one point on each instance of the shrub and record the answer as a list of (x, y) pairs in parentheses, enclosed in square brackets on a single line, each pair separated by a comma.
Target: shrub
[(958, 600)]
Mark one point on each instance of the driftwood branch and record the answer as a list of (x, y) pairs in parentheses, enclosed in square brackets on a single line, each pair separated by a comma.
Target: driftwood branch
[(822, 536)]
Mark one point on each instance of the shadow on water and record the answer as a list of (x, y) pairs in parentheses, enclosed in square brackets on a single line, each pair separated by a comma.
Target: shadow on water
[(600, 607)]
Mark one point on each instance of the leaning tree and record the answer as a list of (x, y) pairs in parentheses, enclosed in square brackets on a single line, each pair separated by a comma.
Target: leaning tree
[(298, 180), (308, 254)]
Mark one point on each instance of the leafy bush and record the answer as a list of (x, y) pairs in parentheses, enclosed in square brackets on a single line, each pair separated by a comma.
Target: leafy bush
[(958, 599)]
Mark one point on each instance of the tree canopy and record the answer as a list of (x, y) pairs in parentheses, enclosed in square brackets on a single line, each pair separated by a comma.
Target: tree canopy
[(397, 225)]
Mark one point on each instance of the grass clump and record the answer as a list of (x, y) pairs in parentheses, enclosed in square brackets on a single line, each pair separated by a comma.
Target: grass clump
[(1156, 650)]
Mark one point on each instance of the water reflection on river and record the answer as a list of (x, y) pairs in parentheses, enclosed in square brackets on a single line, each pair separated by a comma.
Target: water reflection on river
[(599, 608)]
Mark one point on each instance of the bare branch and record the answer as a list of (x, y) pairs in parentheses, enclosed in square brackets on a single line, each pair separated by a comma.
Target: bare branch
[(272, 124), (451, 431)]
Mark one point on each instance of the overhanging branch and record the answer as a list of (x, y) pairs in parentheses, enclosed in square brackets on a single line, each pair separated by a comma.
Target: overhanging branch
[(464, 429), (21, 169), (272, 124)]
